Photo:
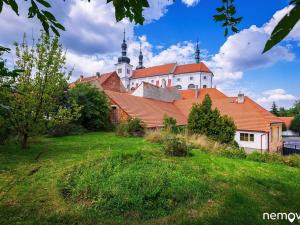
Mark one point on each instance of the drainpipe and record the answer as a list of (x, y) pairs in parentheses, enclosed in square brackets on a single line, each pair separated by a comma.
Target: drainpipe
[(268, 133)]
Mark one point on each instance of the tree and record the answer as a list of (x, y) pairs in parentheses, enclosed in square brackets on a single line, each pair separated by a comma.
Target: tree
[(133, 10), (295, 125), (95, 106), (274, 109), (170, 124), (44, 77), (203, 120)]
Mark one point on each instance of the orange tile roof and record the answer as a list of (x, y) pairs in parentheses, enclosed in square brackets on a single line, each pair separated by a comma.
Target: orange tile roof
[(151, 112), (287, 121), (193, 93), (153, 71), (248, 116), (103, 77), (191, 68)]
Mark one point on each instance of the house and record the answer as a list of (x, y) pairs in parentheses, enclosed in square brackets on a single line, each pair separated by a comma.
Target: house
[(257, 129), (171, 89)]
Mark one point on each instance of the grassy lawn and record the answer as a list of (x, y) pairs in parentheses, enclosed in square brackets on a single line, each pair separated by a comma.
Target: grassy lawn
[(98, 178)]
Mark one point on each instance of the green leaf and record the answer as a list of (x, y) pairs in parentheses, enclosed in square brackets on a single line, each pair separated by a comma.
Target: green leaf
[(14, 6), (59, 26), (1, 5), (226, 32), (283, 28), (219, 18), (49, 15), (54, 30), (44, 3)]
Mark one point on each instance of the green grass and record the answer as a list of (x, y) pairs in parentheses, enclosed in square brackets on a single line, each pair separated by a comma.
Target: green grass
[(98, 178)]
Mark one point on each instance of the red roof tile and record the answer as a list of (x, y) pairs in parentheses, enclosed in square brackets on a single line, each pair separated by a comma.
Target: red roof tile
[(153, 71), (151, 112), (191, 68), (287, 121)]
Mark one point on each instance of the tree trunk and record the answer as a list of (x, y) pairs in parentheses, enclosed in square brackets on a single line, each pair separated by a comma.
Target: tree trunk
[(24, 140)]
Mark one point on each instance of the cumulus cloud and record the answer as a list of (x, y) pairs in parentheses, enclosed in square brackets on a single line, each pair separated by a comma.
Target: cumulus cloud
[(280, 96), (190, 3), (243, 51)]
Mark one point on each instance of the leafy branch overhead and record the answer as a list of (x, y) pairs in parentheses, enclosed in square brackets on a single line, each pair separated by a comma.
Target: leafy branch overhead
[(285, 25), (226, 15)]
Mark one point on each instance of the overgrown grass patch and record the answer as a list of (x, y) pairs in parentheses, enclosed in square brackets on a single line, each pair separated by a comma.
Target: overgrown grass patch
[(132, 185)]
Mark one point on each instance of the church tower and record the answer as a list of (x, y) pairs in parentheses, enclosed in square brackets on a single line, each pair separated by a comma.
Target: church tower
[(123, 67), (197, 53), (140, 66)]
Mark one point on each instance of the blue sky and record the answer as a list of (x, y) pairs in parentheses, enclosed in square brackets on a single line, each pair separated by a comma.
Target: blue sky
[(93, 41)]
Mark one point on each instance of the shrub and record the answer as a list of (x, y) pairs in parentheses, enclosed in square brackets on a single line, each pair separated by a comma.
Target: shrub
[(237, 153), (66, 129), (122, 129), (205, 121), (292, 160), (265, 157), (136, 127), (156, 136), (175, 146), (4, 130), (95, 106), (258, 157), (132, 127), (170, 124)]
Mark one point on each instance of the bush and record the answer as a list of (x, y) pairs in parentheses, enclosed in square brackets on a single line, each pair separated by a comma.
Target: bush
[(156, 136), (292, 160), (170, 124), (66, 129), (4, 130), (133, 127), (205, 121), (175, 146), (236, 153), (95, 107), (265, 157)]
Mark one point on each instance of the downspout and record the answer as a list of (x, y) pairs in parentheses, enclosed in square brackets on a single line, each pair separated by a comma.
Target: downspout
[(268, 133)]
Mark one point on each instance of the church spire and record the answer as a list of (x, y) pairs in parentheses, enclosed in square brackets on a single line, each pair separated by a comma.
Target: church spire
[(124, 58), (197, 53), (140, 66)]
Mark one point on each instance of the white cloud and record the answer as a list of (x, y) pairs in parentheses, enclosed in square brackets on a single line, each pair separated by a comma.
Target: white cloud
[(280, 96), (243, 51), (190, 3)]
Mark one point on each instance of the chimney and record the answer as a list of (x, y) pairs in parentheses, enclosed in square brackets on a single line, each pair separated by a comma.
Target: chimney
[(81, 77), (240, 98), (98, 74)]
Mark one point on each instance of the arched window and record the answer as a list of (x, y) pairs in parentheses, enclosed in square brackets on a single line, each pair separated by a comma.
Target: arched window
[(191, 86), (178, 87)]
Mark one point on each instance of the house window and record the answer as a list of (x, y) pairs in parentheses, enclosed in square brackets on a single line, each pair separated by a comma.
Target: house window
[(178, 87), (204, 86), (204, 78), (164, 83), (191, 78), (128, 71), (246, 137), (132, 83), (178, 79), (119, 70), (152, 81), (191, 86)]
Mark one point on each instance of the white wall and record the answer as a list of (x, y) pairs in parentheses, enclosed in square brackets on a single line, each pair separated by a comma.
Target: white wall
[(125, 74), (184, 80), (256, 144)]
